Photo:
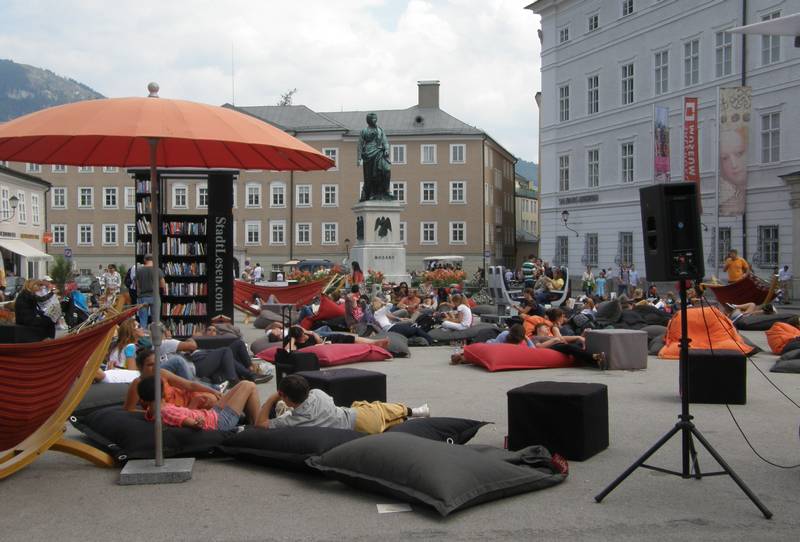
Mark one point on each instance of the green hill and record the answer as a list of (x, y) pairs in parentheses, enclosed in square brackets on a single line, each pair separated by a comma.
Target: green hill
[(25, 89), (529, 170)]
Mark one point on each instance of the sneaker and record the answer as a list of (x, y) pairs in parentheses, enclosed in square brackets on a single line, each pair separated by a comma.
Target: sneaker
[(222, 387), (559, 464), (601, 360), (423, 411), (281, 408), (262, 379)]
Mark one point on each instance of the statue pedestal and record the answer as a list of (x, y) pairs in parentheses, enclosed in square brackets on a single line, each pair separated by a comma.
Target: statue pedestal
[(378, 245)]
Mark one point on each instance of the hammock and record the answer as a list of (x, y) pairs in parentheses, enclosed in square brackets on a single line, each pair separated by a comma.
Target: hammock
[(40, 385), (748, 289), (297, 294)]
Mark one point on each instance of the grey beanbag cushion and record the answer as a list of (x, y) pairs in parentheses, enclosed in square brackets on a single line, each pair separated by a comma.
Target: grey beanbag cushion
[(655, 345), (652, 315), (654, 331), (445, 476), (100, 396), (787, 363), (761, 322), (261, 344), (417, 341), (608, 312), (472, 333), (266, 318), (398, 344), (484, 309)]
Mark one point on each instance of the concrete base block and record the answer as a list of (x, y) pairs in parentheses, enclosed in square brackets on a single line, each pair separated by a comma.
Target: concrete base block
[(144, 471)]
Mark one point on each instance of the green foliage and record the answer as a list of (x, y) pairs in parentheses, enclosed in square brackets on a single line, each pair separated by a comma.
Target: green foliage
[(60, 271), (287, 97)]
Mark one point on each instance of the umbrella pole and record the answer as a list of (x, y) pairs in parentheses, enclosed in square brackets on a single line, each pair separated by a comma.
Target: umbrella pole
[(155, 328)]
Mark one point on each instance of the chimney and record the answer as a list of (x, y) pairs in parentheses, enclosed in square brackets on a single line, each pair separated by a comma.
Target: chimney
[(428, 94)]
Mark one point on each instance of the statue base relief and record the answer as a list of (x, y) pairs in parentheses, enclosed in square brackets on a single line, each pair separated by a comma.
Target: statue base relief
[(378, 245)]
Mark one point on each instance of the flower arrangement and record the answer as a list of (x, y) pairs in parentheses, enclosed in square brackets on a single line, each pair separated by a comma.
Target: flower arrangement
[(443, 277), (374, 277)]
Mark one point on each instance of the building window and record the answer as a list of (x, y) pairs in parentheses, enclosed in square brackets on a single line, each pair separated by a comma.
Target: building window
[(36, 210), (330, 233), (130, 197), (458, 192), (427, 191), (130, 234), (458, 233), (58, 168), (661, 64), (625, 248), (402, 228), (594, 22), (59, 198), (33, 168), (252, 232), (330, 195), (593, 94), (626, 167), (427, 233), (180, 196), (5, 208), (398, 154), (399, 191), (333, 154), (202, 196), (771, 137), (110, 197), (22, 211), (59, 234), (627, 7), (85, 197), (427, 154), (768, 246), (85, 234), (253, 196), (563, 173), (627, 84), (85, 169), (277, 230), (277, 195), (770, 45), (458, 153), (110, 169), (592, 251), (109, 234), (303, 198), (303, 233), (593, 168), (563, 34), (563, 103), (724, 53), (562, 251), (724, 246), (691, 63)]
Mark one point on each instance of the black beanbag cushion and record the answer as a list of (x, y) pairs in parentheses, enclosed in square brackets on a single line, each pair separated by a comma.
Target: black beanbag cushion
[(265, 318), (101, 396), (481, 330), (608, 313), (452, 430), (127, 435), (652, 316), (437, 474), (631, 319), (261, 344), (761, 322), (479, 310), (286, 448), (398, 344)]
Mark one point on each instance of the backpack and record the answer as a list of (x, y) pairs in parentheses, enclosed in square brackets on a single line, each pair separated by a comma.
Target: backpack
[(130, 278)]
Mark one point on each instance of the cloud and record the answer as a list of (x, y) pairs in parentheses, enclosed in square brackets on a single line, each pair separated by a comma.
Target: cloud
[(343, 55)]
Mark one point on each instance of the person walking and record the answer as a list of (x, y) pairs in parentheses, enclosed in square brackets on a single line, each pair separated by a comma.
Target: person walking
[(785, 283), (633, 278), (623, 279), (258, 273), (144, 288)]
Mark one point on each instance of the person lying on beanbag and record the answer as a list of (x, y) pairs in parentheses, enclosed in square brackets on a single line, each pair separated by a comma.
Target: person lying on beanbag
[(514, 335), (315, 408)]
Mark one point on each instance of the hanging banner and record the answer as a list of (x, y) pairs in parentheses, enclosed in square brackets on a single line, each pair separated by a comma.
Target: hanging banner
[(661, 171), (691, 146), (734, 126)]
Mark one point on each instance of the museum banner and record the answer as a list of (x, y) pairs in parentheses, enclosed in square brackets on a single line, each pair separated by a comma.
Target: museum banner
[(661, 170), (734, 125), (691, 146)]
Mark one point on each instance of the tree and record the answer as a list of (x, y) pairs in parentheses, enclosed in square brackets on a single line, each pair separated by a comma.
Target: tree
[(60, 272), (287, 97)]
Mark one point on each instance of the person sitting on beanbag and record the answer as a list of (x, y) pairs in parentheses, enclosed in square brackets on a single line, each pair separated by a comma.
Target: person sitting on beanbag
[(514, 335), (315, 408)]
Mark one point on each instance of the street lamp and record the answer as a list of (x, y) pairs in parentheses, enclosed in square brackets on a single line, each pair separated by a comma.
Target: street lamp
[(13, 201), (565, 219)]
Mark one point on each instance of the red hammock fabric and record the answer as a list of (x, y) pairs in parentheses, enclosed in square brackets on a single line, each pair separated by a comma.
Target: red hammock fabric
[(298, 294), (748, 289), (36, 377)]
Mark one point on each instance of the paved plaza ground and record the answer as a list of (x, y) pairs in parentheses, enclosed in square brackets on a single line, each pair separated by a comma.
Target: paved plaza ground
[(62, 498)]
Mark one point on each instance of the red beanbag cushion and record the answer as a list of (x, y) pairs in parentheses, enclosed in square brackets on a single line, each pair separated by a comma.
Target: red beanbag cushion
[(328, 309), (509, 357), (336, 354)]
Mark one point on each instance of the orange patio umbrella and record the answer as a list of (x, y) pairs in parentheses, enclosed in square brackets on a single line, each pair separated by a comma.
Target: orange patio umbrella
[(156, 133)]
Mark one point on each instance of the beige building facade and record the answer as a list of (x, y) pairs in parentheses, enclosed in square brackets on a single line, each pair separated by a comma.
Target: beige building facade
[(527, 218)]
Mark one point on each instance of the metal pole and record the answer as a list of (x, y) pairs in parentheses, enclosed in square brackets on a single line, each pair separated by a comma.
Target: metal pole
[(155, 328), (715, 245)]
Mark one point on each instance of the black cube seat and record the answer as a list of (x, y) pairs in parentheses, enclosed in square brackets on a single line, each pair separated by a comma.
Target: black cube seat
[(568, 418), (287, 363), (348, 385), (718, 377)]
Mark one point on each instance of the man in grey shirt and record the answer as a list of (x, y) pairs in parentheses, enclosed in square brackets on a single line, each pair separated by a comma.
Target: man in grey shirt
[(315, 408), (144, 288)]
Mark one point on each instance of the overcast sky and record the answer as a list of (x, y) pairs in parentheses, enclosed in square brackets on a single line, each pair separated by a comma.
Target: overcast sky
[(340, 55)]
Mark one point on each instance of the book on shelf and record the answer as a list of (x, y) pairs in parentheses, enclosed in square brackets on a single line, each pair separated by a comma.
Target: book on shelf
[(183, 228), (176, 247), (184, 329), (143, 206), (143, 186), (143, 226), (178, 269), (194, 308), (187, 289)]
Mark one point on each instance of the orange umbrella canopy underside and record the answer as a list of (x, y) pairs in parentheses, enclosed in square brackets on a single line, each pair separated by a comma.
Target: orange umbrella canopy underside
[(116, 132)]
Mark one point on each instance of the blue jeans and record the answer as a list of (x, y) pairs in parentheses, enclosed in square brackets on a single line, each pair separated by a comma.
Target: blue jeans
[(144, 312), (178, 366)]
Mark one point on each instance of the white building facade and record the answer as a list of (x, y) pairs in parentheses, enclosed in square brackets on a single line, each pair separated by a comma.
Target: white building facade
[(605, 65)]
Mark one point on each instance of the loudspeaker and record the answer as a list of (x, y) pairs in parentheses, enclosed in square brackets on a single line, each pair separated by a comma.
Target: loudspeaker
[(718, 377), (673, 247)]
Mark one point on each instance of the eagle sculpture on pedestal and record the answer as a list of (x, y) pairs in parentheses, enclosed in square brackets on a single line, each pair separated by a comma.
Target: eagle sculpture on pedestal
[(383, 225)]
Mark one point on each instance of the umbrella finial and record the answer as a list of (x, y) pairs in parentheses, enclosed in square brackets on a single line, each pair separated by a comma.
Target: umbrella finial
[(152, 88)]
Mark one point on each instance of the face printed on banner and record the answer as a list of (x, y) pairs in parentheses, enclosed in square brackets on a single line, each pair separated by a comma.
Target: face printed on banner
[(733, 156)]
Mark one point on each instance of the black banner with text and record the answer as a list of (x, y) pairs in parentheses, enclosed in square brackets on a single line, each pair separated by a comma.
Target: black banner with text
[(220, 244)]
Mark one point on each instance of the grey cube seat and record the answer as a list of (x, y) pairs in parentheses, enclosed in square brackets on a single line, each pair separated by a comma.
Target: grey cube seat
[(624, 348)]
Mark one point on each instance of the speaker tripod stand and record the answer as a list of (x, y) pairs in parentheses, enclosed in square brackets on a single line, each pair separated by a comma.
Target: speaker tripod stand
[(687, 430)]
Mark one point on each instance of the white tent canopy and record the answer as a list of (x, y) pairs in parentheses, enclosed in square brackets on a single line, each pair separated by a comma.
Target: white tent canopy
[(25, 250), (782, 26)]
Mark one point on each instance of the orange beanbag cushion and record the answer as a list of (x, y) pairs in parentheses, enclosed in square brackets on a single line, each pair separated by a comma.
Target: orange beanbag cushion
[(328, 310), (510, 357), (780, 334), (708, 329), (336, 354)]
